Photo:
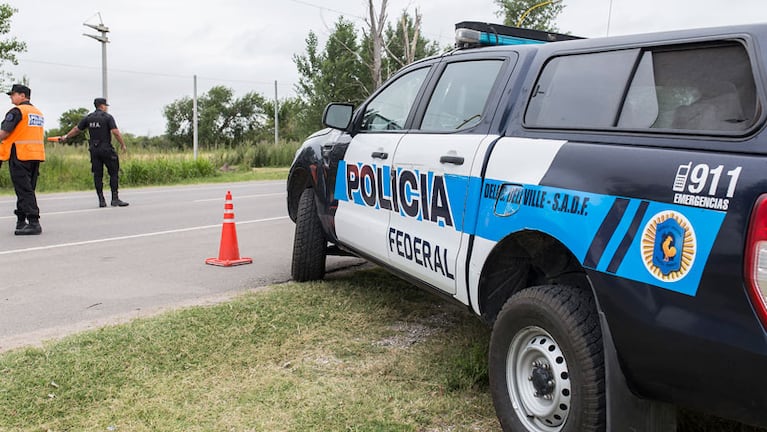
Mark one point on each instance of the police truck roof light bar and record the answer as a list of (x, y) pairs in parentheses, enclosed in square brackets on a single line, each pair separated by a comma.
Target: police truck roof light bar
[(472, 34)]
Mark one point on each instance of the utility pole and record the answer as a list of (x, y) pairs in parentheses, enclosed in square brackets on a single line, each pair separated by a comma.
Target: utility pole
[(194, 118), (276, 116), (104, 40)]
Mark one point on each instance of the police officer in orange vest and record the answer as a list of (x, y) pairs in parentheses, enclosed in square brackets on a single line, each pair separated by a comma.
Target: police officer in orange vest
[(21, 132)]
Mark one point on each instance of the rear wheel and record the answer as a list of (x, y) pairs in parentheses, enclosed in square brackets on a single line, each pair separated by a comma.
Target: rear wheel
[(309, 243), (546, 364)]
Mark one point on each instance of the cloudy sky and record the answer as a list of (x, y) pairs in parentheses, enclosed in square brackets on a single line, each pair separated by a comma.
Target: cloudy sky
[(157, 46)]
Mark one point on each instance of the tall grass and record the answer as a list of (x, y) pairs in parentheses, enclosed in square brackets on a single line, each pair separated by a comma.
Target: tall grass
[(264, 155), (68, 168), (164, 170)]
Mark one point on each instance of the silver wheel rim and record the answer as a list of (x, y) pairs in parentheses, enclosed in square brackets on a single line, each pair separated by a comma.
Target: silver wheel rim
[(538, 380)]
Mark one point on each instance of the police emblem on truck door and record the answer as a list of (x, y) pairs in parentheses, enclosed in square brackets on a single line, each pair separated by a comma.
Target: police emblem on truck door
[(668, 246)]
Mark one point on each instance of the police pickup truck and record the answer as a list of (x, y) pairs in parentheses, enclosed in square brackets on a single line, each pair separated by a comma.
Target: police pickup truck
[(601, 203)]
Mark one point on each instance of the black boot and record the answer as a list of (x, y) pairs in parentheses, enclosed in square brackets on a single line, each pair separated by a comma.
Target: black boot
[(117, 202), (32, 228), (21, 219), (102, 201)]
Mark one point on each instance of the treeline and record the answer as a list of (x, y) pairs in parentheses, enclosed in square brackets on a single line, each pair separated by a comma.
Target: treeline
[(345, 69)]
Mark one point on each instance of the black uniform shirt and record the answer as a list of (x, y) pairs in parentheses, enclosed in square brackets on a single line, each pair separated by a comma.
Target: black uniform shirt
[(12, 118), (99, 124)]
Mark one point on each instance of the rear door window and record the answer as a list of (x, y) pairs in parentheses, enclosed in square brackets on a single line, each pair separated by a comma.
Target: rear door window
[(581, 90)]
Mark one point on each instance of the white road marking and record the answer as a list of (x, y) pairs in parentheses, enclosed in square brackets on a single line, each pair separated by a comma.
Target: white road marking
[(101, 209), (60, 213), (68, 196), (242, 196), (109, 239)]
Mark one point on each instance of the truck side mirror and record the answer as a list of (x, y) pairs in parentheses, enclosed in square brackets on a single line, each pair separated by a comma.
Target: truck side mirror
[(338, 115)]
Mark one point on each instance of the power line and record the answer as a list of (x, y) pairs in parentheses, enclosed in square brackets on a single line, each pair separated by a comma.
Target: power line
[(157, 74), (306, 3), (364, 19), (186, 77)]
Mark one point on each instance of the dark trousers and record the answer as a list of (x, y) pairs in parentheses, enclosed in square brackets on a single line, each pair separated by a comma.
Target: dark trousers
[(104, 155), (24, 176)]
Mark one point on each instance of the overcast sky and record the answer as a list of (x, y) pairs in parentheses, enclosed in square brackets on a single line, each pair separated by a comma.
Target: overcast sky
[(157, 46)]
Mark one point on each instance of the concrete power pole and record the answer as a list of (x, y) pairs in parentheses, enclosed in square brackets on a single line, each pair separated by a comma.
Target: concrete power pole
[(104, 40), (276, 116), (194, 119)]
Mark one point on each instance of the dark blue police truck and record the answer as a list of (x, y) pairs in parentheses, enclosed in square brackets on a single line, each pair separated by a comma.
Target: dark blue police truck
[(601, 203)]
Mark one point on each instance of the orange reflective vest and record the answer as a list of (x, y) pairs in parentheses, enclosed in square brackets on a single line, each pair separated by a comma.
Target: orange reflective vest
[(27, 136)]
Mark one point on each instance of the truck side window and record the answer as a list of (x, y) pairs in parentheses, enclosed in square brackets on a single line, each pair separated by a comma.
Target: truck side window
[(459, 99), (699, 88), (389, 109), (693, 87), (581, 91)]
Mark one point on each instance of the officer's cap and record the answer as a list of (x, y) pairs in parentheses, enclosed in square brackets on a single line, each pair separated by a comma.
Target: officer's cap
[(19, 88)]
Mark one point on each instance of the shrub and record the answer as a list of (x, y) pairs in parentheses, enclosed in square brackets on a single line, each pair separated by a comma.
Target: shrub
[(68, 167), (164, 171)]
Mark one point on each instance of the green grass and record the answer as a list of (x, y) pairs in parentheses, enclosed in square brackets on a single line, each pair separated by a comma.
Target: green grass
[(332, 356), (361, 351), (68, 168)]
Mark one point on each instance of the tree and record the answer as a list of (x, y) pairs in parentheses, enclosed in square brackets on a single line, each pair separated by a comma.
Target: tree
[(376, 25), (537, 14), (178, 122), (67, 121), (405, 44), (288, 116), (347, 70), (337, 74), (9, 46), (222, 119)]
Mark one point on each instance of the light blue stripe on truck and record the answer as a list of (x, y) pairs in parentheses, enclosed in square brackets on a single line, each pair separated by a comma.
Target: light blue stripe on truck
[(574, 218), (629, 247)]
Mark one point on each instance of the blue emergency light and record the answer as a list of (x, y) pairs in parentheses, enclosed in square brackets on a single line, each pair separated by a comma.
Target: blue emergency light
[(472, 34)]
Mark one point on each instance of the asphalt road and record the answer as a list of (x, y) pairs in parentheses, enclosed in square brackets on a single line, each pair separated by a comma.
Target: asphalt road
[(95, 266)]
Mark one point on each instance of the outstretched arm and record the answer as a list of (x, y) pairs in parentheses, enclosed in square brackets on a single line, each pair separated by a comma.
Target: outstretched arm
[(119, 137), (72, 132)]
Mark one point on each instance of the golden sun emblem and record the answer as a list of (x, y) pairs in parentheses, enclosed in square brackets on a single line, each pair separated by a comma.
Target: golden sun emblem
[(668, 246)]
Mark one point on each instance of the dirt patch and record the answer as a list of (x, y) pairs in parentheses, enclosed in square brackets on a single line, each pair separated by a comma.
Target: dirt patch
[(411, 333)]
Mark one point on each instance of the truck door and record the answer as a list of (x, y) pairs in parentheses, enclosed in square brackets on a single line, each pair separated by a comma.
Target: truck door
[(363, 187), (432, 172)]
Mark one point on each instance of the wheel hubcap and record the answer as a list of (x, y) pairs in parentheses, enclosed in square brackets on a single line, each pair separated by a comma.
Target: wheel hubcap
[(539, 380), (542, 379)]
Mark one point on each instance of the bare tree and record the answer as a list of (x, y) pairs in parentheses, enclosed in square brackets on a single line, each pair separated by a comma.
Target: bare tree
[(410, 41), (376, 25)]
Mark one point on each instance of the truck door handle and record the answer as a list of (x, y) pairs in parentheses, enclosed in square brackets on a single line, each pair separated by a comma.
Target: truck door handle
[(455, 160), (380, 155)]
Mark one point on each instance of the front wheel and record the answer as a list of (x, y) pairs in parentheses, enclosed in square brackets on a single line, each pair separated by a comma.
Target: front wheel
[(546, 363), (309, 244)]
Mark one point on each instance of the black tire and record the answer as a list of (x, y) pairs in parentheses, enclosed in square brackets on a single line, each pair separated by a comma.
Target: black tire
[(546, 363), (309, 243)]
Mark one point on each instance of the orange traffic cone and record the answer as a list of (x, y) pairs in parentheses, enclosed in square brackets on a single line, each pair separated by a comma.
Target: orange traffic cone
[(228, 252)]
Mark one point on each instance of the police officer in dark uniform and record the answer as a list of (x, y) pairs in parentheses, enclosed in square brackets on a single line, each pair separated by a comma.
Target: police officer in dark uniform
[(22, 132), (101, 126)]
